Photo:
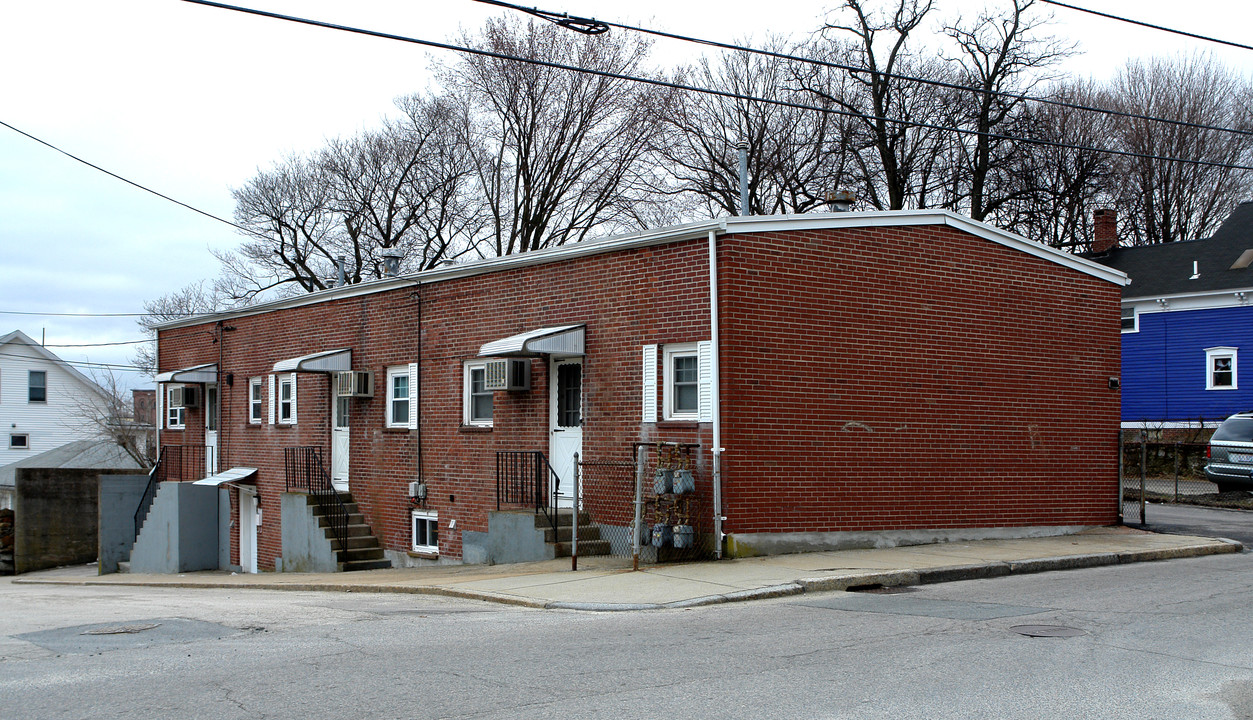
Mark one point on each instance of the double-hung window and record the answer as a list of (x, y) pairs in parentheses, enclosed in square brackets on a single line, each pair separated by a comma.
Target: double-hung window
[(476, 398), (287, 399), (175, 415), (1130, 321), (401, 392), (256, 400), (37, 387), (1220, 368), (681, 392)]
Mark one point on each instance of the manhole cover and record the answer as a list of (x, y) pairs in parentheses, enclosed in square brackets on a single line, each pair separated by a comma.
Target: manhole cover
[(1047, 631), (120, 629)]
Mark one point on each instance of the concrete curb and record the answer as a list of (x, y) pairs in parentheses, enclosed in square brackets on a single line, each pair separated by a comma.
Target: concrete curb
[(853, 580)]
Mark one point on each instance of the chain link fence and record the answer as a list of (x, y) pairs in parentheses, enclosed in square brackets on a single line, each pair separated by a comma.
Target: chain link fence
[(1157, 471), (674, 501)]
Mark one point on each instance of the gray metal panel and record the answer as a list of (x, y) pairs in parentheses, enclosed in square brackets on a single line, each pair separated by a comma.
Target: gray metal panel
[(562, 340), (327, 361), (197, 374)]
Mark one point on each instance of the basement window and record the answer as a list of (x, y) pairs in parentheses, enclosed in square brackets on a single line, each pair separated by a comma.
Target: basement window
[(1220, 368), (425, 531), (19, 441)]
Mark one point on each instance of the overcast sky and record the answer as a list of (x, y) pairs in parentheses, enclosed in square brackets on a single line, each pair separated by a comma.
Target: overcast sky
[(190, 101)]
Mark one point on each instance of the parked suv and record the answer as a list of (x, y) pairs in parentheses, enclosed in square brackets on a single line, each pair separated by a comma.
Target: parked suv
[(1230, 454)]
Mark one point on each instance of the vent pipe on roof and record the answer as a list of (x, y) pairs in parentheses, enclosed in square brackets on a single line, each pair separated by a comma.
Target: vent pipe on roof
[(840, 201), (743, 149), (341, 278), (391, 262)]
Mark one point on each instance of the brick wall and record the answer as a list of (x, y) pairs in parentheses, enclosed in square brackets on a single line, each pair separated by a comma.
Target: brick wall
[(877, 378), (902, 378)]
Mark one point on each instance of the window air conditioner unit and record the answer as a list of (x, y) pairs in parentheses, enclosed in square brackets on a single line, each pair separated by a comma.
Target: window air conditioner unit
[(185, 397), (355, 383), (417, 490), (507, 374)]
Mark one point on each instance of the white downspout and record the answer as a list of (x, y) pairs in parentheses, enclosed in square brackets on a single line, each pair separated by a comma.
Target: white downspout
[(715, 385)]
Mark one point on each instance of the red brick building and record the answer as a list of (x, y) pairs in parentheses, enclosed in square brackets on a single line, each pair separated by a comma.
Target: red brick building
[(843, 379)]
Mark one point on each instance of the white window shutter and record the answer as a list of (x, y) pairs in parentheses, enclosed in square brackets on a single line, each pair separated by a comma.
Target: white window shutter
[(413, 396), (704, 359), (293, 398), (650, 383), (271, 399)]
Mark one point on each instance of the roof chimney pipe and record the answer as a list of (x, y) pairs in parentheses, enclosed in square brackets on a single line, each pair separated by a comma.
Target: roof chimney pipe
[(391, 262), (743, 149), (1104, 230)]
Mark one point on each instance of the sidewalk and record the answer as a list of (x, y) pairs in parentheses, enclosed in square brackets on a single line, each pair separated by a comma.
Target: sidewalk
[(610, 584)]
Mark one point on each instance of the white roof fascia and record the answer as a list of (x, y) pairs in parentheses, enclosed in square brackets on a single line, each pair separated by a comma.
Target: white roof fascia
[(235, 474), (563, 340), (327, 361), (1209, 294), (196, 374), (758, 223)]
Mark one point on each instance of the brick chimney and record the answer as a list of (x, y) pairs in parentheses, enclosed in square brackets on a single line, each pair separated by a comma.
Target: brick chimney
[(1104, 230)]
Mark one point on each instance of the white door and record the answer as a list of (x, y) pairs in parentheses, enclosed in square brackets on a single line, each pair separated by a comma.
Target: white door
[(211, 409), (565, 422), (248, 530), (339, 441)]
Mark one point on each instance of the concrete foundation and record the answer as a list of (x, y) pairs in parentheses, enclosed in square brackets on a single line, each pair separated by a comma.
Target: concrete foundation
[(119, 497), (753, 544), (305, 547), (181, 532)]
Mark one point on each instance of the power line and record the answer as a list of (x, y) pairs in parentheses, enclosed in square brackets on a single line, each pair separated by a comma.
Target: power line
[(131, 182), (1149, 25), (65, 314), (107, 344), (83, 363), (707, 91), (895, 76)]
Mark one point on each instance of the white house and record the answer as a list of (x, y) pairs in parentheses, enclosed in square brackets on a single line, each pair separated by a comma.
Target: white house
[(44, 403)]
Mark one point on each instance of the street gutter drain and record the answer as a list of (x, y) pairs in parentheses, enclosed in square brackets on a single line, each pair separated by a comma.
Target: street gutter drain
[(881, 590), (120, 629), (1047, 631)]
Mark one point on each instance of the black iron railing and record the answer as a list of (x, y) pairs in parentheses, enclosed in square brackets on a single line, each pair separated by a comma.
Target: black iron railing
[(174, 463), (306, 472), (524, 477)]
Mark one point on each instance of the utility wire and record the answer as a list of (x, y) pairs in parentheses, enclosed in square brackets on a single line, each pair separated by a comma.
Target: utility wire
[(707, 91), (64, 314), (1148, 25), (132, 182), (895, 76), (83, 363), (587, 26), (107, 344)]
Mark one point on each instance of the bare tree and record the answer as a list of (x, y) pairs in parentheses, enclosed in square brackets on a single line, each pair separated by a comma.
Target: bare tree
[(899, 152), (556, 153), (1163, 201), (109, 414), (1000, 58), (196, 298), (795, 156)]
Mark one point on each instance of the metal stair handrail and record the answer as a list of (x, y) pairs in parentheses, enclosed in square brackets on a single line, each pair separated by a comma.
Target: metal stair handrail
[(525, 477), (306, 472)]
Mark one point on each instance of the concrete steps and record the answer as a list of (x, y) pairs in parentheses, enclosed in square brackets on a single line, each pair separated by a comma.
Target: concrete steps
[(363, 551), (590, 542)]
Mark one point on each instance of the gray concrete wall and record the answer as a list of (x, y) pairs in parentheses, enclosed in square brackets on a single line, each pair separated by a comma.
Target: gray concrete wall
[(305, 547), (511, 537), (752, 544), (181, 532), (56, 518), (119, 497)]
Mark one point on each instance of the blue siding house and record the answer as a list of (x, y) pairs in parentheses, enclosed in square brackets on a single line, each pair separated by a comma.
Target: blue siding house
[(1187, 319)]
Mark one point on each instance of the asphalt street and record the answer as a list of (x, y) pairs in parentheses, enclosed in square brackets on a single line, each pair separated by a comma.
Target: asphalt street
[(1146, 640), (1202, 521)]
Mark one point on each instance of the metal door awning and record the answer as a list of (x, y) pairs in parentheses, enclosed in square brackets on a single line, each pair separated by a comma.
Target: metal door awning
[(235, 474), (564, 340), (196, 374), (327, 361)]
